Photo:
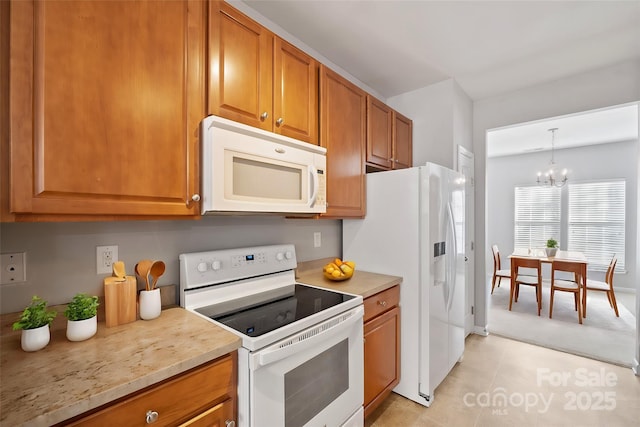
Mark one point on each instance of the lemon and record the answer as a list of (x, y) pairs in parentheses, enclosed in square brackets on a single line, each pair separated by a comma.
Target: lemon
[(336, 273)]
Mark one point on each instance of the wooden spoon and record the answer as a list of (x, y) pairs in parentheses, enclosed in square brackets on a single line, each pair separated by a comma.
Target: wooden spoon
[(156, 270), (142, 270)]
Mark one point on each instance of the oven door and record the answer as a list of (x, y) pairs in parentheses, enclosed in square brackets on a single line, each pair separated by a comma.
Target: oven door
[(314, 378)]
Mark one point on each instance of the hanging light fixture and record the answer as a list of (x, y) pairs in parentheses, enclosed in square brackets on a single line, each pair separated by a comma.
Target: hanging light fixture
[(553, 176)]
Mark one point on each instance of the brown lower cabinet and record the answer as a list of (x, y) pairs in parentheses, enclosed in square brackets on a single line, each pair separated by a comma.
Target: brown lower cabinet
[(381, 347), (203, 396)]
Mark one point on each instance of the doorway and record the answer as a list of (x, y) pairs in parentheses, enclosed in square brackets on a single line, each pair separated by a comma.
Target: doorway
[(599, 154)]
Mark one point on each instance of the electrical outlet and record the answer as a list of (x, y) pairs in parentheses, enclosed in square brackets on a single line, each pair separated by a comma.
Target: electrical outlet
[(105, 257), (317, 239), (13, 268)]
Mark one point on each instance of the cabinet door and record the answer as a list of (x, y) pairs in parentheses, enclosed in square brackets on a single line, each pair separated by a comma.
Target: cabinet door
[(106, 100), (295, 91), (381, 358), (342, 133), (402, 142), (379, 133), (240, 67)]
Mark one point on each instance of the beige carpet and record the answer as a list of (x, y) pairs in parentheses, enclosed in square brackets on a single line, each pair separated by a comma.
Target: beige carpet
[(602, 335)]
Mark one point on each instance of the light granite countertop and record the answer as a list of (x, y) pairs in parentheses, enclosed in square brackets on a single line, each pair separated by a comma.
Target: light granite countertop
[(67, 378), (361, 283)]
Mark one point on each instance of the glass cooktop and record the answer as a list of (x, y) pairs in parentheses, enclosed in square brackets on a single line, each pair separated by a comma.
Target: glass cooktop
[(257, 314)]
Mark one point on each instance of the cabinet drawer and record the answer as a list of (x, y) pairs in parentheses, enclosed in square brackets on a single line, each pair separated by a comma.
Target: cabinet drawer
[(176, 400), (219, 415), (381, 302)]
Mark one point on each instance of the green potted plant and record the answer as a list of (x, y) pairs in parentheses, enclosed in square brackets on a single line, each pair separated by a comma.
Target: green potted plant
[(34, 322), (552, 247), (82, 317)]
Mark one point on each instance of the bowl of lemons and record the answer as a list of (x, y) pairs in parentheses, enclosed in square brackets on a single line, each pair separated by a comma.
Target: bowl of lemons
[(339, 270)]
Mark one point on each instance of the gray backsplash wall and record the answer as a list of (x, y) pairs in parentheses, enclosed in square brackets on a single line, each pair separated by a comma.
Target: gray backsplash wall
[(61, 257)]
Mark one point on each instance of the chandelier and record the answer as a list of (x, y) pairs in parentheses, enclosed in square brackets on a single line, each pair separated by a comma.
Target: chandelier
[(552, 176)]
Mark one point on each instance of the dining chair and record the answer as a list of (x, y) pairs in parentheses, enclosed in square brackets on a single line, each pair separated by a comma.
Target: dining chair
[(565, 284), (606, 286), (498, 272), (518, 278)]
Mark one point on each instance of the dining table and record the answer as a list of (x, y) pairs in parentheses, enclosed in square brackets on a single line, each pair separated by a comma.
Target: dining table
[(541, 254), (572, 256)]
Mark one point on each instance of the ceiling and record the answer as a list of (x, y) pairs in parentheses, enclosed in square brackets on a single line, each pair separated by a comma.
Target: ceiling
[(488, 47), (575, 130)]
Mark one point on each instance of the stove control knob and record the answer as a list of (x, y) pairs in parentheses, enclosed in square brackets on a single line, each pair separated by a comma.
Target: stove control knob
[(202, 267), (289, 315), (279, 256), (215, 265), (280, 317), (288, 255)]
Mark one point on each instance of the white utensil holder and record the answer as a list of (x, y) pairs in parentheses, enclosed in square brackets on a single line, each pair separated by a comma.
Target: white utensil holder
[(150, 304)]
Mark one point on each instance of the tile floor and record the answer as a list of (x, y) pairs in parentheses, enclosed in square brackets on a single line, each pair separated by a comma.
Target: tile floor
[(541, 387)]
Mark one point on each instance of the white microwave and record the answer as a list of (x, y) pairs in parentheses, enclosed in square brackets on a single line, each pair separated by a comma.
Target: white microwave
[(249, 170)]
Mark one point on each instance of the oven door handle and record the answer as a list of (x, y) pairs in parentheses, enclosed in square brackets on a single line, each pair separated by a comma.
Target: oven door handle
[(276, 353)]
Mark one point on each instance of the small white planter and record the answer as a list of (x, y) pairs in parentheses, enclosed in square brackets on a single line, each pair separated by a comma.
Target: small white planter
[(551, 252), (150, 304), (80, 330), (35, 339)]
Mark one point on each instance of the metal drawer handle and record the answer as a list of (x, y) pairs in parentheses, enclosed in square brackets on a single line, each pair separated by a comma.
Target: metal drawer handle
[(152, 417), (382, 303), (264, 116), (230, 423), (279, 121)]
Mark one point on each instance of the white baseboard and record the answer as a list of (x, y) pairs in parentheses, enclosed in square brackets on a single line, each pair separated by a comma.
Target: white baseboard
[(481, 330)]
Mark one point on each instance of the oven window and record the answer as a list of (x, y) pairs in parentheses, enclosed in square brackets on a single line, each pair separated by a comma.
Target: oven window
[(263, 180), (312, 386)]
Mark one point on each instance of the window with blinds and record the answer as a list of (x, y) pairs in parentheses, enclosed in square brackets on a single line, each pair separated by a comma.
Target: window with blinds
[(537, 216), (597, 222)]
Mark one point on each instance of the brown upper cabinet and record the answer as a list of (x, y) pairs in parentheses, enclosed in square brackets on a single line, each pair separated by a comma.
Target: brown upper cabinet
[(389, 137), (379, 133), (402, 141), (258, 79), (343, 108), (105, 104)]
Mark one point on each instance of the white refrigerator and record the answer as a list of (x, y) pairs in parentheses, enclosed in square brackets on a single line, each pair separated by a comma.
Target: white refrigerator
[(414, 228)]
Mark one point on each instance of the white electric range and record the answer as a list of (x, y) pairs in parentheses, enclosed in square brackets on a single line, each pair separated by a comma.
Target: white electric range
[(301, 360)]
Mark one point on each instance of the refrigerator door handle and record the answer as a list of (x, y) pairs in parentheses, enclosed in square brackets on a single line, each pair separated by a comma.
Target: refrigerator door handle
[(451, 273)]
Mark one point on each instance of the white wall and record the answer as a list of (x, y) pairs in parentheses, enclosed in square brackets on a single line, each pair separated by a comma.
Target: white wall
[(596, 162), (431, 109), (600, 88), (462, 121), (61, 257)]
